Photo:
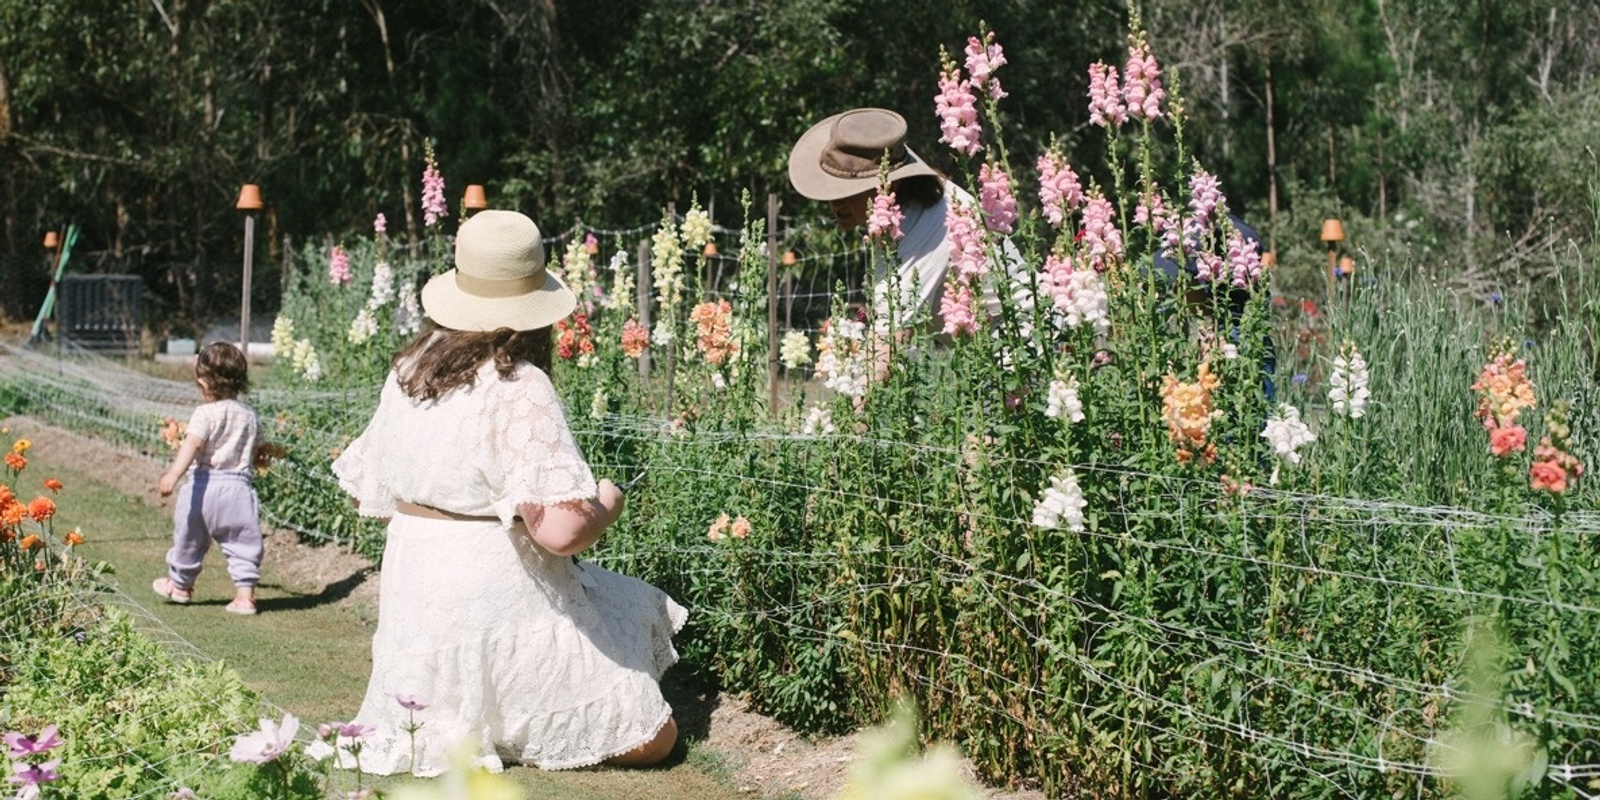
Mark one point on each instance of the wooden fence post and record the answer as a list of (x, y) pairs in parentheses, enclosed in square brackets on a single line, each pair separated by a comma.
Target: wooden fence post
[(641, 295), (772, 305)]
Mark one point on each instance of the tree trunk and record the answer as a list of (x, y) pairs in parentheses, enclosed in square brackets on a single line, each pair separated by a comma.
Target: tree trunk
[(1272, 170)]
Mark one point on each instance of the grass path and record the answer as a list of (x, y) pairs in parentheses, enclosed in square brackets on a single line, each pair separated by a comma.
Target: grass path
[(305, 652)]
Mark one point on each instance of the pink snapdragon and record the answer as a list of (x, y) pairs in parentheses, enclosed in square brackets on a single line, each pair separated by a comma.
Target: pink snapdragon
[(1060, 191), (884, 222), (967, 259), (983, 58), (999, 205), (1554, 466), (1142, 86), (1102, 239), (1245, 258), (1152, 212), (339, 267), (957, 110), (433, 202), (1208, 267), (1079, 294), (380, 223), (1205, 203), (1105, 97), (956, 306)]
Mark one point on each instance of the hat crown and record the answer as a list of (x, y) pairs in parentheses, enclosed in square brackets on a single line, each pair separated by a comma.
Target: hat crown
[(859, 139), (499, 245)]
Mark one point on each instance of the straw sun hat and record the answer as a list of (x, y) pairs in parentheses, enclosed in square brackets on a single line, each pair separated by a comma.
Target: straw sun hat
[(499, 280), (839, 156)]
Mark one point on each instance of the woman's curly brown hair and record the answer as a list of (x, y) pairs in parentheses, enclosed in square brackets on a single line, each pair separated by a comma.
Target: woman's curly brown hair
[(440, 359)]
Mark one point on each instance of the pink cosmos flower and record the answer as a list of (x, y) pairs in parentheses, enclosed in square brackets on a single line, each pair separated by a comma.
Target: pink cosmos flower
[(999, 206), (339, 267), (21, 746), (411, 702), (1142, 76), (265, 745), (983, 58), (957, 110), (967, 260), (352, 730), (1060, 192), (1105, 97), (29, 776), (885, 218)]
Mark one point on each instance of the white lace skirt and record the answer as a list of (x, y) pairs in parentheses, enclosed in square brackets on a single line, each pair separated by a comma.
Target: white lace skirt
[(521, 655)]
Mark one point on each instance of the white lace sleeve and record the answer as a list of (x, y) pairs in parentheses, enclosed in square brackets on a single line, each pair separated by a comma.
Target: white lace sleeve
[(534, 447), (357, 468)]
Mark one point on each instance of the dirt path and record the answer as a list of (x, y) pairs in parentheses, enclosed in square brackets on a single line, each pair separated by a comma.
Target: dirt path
[(318, 604)]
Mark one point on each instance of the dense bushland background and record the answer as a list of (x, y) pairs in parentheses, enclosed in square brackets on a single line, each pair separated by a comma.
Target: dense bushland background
[(1455, 131)]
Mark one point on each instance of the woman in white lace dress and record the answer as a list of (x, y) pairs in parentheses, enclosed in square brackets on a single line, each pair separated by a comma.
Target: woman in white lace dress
[(489, 634)]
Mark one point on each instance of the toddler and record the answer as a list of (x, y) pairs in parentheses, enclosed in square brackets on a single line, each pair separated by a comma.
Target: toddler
[(218, 502)]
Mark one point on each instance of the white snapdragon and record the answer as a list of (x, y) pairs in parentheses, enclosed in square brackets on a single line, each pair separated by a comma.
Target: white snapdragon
[(1062, 400), (576, 267), (282, 334), (1062, 504), (1348, 391), (844, 360), (666, 266), (1081, 296), (819, 420), (696, 229), (795, 351), (305, 361), (408, 314), (599, 403), (382, 285), (661, 336), (621, 295), (363, 327), (1287, 434)]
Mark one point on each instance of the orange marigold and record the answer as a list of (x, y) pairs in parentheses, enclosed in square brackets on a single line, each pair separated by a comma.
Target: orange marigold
[(73, 538), (31, 542), (53, 484), (41, 508), (16, 462), (12, 514)]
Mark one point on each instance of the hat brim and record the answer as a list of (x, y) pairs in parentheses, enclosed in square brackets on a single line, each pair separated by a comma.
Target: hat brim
[(444, 302), (807, 177)]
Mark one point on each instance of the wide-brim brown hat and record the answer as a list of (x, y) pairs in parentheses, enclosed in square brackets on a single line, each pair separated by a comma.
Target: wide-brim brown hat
[(840, 156), (500, 279)]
